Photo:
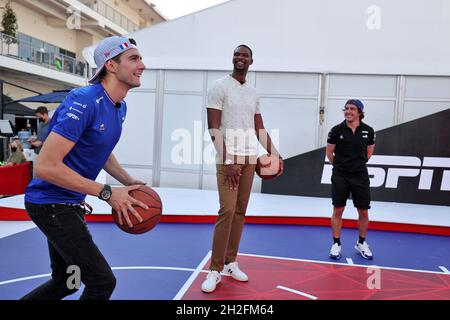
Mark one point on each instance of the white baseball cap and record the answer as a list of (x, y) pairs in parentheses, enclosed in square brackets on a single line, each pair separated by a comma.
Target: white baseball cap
[(108, 49)]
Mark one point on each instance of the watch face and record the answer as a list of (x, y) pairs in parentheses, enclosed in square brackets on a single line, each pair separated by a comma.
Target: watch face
[(106, 194)]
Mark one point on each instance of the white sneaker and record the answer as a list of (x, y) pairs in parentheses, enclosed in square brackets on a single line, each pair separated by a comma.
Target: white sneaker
[(335, 252), (212, 279), (364, 250), (233, 270)]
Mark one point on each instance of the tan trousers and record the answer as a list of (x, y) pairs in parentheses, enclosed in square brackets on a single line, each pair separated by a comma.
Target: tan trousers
[(230, 222)]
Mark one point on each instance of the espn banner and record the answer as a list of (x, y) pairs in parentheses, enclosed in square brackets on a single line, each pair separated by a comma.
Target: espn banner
[(410, 164)]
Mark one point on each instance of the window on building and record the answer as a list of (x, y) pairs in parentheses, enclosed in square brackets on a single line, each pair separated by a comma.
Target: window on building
[(102, 8), (24, 47)]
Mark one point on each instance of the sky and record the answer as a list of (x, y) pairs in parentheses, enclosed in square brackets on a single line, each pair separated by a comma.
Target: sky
[(177, 8)]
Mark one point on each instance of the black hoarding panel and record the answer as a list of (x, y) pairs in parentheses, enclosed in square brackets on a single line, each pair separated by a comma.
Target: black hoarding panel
[(411, 164)]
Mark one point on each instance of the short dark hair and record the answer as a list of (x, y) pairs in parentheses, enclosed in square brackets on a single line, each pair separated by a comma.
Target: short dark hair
[(41, 110), (103, 72), (245, 46), (361, 115)]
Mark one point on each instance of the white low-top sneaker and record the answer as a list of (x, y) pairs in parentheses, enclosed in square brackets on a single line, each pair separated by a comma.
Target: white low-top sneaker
[(364, 250), (335, 252), (232, 269), (212, 279)]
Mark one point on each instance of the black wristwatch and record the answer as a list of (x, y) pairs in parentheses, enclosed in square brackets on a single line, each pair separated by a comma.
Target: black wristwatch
[(106, 193)]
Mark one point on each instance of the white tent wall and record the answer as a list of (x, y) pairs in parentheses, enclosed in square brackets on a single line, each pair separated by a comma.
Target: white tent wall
[(165, 139), (310, 57), (406, 37)]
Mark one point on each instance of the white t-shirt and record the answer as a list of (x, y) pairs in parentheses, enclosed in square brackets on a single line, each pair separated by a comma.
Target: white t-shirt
[(239, 104)]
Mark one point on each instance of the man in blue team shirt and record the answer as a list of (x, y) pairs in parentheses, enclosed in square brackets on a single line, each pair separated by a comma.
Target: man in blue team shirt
[(82, 134)]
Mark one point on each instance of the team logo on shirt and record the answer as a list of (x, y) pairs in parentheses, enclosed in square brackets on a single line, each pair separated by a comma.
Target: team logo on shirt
[(73, 116), (75, 109), (99, 99), (80, 104), (341, 137), (102, 127)]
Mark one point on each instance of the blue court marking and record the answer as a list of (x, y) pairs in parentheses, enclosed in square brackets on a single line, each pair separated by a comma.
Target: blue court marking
[(176, 245)]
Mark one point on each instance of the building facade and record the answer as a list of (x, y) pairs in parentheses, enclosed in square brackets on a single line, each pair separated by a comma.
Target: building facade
[(46, 52)]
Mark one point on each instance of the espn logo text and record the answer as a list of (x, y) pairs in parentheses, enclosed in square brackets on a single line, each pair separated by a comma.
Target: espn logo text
[(387, 170)]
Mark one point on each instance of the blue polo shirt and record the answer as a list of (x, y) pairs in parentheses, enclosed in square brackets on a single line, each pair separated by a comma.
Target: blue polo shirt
[(88, 117)]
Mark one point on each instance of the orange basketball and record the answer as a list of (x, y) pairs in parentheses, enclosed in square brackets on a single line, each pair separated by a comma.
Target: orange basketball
[(273, 168), (150, 217)]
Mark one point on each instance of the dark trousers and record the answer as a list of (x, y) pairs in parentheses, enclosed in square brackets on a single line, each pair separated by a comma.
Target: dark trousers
[(70, 244)]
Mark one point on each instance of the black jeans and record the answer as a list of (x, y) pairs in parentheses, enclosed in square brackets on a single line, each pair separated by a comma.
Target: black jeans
[(70, 244)]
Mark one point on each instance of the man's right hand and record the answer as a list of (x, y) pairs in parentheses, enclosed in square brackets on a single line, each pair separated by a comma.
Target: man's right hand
[(122, 202), (232, 173)]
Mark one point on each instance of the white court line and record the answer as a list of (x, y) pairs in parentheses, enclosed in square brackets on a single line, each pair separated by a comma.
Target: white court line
[(337, 263), (9, 228), (113, 268), (444, 269), (350, 261), (153, 268), (203, 262), (25, 278), (297, 292), (191, 279)]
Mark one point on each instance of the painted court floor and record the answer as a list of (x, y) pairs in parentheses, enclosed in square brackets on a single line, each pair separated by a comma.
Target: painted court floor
[(282, 261)]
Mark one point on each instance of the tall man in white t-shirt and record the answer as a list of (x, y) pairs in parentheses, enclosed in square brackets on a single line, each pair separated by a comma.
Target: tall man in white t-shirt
[(236, 125)]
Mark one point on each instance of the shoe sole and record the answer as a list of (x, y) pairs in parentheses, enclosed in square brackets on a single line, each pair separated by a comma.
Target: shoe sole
[(362, 254), (231, 276), (335, 257), (239, 279)]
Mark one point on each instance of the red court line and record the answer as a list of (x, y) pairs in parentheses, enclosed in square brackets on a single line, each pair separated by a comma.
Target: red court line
[(13, 214), (324, 281)]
